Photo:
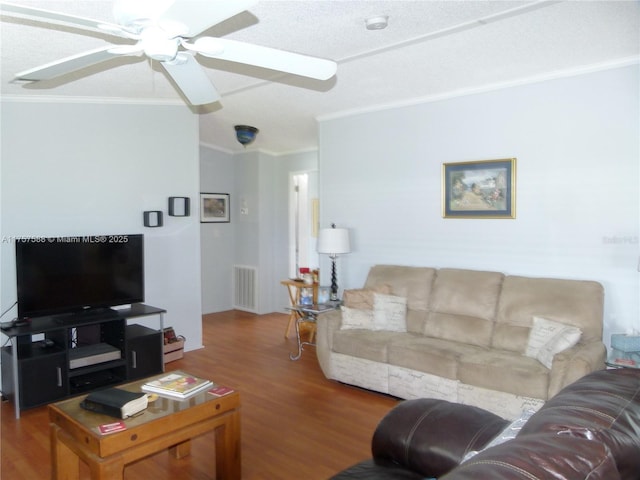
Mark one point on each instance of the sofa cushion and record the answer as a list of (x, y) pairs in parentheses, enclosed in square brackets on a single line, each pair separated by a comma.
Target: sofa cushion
[(505, 372), (548, 338), (540, 456), (463, 305), (371, 345), (429, 355), (510, 338), (413, 283), (573, 302)]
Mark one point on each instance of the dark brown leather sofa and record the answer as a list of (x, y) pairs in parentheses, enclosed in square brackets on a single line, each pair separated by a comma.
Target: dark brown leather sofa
[(589, 430)]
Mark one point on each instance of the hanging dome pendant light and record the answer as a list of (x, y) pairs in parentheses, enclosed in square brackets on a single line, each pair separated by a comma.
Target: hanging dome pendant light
[(246, 134)]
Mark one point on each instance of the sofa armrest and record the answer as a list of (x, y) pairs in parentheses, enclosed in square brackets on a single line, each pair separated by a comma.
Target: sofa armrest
[(574, 363), (432, 436), (326, 324)]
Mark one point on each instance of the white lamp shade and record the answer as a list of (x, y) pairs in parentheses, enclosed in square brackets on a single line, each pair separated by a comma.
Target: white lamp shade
[(334, 241)]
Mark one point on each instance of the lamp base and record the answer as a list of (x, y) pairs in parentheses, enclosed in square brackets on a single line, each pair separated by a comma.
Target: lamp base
[(334, 280)]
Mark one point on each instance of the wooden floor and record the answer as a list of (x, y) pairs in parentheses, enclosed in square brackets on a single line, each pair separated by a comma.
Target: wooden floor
[(296, 424)]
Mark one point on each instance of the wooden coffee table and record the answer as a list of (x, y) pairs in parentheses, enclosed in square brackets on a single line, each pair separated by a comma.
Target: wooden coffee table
[(166, 423)]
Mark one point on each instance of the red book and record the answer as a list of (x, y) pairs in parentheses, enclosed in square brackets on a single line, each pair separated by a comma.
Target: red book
[(220, 390)]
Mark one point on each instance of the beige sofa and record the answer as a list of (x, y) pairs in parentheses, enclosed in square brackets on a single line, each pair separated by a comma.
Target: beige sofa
[(468, 336)]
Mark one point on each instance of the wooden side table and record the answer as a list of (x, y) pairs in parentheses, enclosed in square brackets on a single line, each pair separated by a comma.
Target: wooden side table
[(294, 289), (166, 423)]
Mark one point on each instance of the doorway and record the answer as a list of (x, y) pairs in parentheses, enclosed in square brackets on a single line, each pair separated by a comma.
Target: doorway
[(303, 221)]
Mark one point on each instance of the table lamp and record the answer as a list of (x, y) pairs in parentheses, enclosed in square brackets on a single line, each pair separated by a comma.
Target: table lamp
[(333, 242)]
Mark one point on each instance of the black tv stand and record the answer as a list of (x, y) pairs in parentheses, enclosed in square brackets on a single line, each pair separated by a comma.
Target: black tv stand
[(80, 316), (37, 372)]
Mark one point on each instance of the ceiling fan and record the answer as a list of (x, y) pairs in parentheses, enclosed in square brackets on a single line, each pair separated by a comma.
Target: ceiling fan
[(164, 31)]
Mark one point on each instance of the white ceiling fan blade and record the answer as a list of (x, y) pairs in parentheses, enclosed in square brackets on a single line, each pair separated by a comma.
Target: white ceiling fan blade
[(191, 78), (48, 15), (199, 15), (68, 64), (264, 57)]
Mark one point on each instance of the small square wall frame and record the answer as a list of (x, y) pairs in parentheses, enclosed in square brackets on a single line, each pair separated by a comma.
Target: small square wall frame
[(179, 206), (152, 218)]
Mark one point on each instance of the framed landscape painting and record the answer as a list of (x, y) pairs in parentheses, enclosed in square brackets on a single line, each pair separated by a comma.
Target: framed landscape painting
[(214, 208), (481, 189)]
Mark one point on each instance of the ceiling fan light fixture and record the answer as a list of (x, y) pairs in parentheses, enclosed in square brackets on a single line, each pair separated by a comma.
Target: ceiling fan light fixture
[(157, 45), (379, 22), (246, 134)]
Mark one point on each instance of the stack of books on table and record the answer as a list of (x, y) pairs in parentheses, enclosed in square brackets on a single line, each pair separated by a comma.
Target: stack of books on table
[(177, 385)]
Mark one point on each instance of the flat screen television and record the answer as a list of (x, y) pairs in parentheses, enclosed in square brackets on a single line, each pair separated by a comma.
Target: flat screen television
[(57, 275)]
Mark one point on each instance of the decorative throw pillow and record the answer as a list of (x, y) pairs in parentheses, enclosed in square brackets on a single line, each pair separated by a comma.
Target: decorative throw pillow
[(362, 298), (355, 318), (389, 313), (548, 338)]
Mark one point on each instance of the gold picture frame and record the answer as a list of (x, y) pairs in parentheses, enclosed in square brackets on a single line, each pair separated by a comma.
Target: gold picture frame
[(479, 189)]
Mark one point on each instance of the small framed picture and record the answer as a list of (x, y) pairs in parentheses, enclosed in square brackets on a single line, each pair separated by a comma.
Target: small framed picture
[(482, 189), (214, 208)]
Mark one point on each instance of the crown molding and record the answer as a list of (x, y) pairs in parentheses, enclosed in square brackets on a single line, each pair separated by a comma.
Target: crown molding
[(259, 150), (89, 100), (558, 74)]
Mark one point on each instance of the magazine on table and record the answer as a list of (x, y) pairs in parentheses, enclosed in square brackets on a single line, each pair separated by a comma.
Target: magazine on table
[(178, 385)]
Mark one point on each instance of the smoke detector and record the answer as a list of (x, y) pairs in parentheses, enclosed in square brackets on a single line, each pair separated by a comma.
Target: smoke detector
[(377, 23)]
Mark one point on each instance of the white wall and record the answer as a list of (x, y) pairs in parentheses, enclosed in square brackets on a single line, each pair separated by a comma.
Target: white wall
[(217, 240), (89, 169), (576, 143), (250, 238), (260, 183)]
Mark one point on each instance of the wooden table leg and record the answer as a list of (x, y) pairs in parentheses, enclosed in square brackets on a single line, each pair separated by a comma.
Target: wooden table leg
[(228, 461), (181, 450), (111, 469), (294, 299), (65, 464)]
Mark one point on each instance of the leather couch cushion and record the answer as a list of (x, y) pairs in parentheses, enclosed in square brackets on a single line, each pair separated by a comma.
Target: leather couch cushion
[(540, 456), (431, 436), (604, 405), (463, 305), (377, 470)]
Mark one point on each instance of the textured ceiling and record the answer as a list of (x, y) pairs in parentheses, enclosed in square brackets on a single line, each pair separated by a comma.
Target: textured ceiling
[(430, 49)]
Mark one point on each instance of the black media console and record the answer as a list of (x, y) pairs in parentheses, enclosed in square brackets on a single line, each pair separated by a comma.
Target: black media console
[(74, 355)]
